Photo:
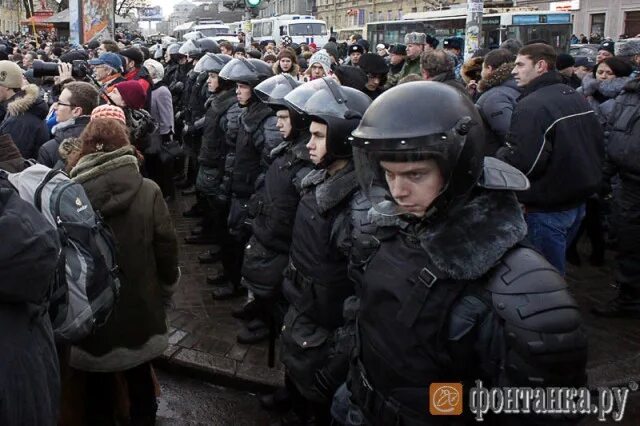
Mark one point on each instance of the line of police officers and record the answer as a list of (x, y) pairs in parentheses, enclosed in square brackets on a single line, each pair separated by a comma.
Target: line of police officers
[(388, 251)]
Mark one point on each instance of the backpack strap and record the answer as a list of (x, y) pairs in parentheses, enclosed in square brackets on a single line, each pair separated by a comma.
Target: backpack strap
[(37, 196)]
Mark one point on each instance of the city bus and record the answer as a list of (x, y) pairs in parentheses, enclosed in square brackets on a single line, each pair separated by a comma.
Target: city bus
[(525, 25), (301, 29), (343, 34)]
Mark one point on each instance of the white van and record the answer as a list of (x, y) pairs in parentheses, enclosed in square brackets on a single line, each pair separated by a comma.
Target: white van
[(301, 29)]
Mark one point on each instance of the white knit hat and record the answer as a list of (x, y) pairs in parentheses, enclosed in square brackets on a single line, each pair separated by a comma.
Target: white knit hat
[(155, 68), (321, 57), (10, 75)]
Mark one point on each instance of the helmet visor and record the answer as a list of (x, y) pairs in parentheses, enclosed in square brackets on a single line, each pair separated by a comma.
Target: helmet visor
[(321, 98)]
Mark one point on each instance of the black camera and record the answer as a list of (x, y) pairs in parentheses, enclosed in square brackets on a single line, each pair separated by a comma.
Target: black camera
[(79, 69)]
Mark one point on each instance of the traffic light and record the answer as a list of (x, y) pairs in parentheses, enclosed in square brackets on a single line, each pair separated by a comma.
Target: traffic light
[(252, 4)]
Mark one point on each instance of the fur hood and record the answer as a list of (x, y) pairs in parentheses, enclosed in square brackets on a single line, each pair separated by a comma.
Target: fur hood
[(607, 88), (331, 189), (471, 69), (483, 230), (27, 99), (295, 70), (500, 76)]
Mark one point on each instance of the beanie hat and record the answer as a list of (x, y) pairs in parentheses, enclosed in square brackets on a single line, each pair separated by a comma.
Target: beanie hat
[(132, 93), (628, 48), (288, 53), (332, 49), (321, 57), (10, 75), (109, 111), (372, 63), (564, 60), (352, 77), (134, 54)]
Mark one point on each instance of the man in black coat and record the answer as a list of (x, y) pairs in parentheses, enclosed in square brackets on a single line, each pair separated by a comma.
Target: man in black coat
[(556, 140)]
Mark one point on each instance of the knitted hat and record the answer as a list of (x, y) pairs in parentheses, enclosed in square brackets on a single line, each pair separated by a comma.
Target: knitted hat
[(10, 75), (109, 111), (132, 93), (286, 40), (332, 49), (321, 57), (288, 53), (628, 48), (564, 60)]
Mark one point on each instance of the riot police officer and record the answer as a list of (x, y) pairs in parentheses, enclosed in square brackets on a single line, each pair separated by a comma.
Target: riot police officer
[(449, 293), (257, 136), (220, 124), (273, 209), (316, 282)]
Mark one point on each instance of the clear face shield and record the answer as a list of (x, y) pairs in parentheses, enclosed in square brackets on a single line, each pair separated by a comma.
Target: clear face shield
[(377, 162)]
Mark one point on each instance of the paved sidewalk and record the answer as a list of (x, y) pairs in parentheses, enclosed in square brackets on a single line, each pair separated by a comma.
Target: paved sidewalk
[(203, 333)]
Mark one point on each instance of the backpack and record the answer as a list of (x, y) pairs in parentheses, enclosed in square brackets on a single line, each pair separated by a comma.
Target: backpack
[(86, 284)]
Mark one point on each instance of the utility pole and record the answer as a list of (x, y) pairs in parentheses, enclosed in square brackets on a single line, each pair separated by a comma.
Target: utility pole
[(473, 29)]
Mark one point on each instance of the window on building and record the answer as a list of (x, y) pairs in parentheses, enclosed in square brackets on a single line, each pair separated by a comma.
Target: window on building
[(597, 23), (371, 16), (389, 15), (632, 23), (414, 9), (399, 13)]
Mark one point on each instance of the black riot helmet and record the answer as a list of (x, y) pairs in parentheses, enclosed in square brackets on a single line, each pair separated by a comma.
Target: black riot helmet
[(407, 124), (208, 45), (340, 108), (246, 71), (272, 92), (212, 62)]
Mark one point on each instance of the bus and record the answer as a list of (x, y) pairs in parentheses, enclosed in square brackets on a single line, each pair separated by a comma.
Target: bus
[(524, 25), (211, 28), (301, 29)]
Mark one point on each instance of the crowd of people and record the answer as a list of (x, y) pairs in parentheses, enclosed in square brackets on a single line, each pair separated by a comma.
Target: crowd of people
[(400, 216)]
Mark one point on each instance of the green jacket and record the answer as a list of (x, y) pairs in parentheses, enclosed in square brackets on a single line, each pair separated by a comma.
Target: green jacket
[(411, 66), (134, 209)]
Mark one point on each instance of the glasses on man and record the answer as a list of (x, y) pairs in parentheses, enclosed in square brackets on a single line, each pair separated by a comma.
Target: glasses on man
[(59, 103)]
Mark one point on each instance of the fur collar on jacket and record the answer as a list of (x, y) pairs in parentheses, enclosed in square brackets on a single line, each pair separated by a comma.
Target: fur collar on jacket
[(331, 189), (24, 100), (99, 163), (471, 70), (607, 88), (474, 238), (294, 71), (501, 75)]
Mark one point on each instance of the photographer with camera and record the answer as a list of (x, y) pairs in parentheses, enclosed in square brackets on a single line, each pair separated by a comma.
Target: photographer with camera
[(107, 69)]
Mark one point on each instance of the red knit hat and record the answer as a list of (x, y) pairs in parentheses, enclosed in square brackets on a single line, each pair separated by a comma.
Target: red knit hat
[(109, 111), (132, 93)]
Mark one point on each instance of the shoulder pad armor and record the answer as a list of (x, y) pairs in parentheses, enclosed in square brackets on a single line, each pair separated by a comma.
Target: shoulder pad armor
[(499, 175)]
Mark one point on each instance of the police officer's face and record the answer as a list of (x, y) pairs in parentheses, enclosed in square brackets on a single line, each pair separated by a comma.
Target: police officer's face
[(413, 185), (212, 82), (243, 93), (526, 70), (317, 145), (355, 57), (284, 123)]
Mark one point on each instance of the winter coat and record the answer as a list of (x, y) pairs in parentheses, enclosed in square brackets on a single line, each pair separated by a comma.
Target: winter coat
[(162, 108), (293, 72), (496, 103), (556, 140), (29, 372), (133, 207), (10, 159), (449, 78), (601, 94), (411, 66), (48, 153), (24, 121)]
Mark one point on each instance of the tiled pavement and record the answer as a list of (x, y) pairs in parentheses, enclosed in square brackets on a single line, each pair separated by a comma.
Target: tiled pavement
[(202, 333)]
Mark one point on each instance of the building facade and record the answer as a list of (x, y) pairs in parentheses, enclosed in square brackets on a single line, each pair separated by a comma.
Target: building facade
[(10, 15), (288, 7), (180, 14)]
